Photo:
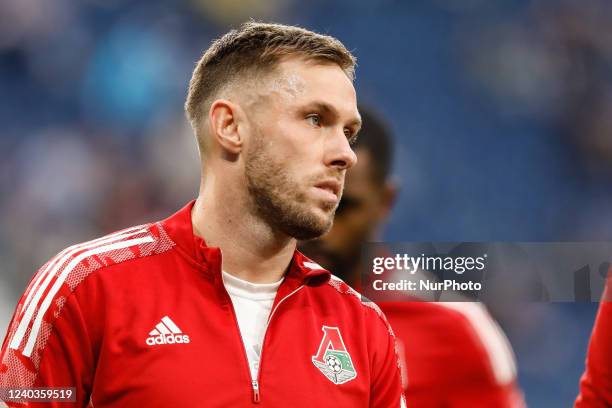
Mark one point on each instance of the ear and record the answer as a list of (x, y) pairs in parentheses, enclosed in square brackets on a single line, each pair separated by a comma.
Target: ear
[(224, 125)]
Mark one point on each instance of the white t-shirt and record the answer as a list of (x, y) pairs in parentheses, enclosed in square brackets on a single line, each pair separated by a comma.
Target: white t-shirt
[(252, 304)]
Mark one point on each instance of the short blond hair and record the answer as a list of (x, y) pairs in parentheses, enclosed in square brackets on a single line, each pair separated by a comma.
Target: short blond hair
[(253, 48)]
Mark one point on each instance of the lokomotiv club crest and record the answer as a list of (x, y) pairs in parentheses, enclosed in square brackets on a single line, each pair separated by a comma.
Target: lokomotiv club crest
[(332, 358)]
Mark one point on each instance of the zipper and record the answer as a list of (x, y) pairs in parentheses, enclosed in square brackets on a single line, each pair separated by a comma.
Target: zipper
[(255, 381), (255, 385), (256, 397)]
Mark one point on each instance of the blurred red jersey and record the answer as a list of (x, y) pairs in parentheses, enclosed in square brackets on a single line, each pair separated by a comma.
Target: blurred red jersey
[(141, 318), (596, 382), (454, 356)]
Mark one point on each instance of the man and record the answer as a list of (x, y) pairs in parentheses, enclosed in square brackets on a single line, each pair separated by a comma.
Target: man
[(454, 354), (596, 382), (214, 306)]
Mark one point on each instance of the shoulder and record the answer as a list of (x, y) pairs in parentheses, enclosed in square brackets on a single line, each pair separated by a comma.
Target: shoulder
[(54, 283), (76, 262), (357, 301), (488, 335), (464, 331)]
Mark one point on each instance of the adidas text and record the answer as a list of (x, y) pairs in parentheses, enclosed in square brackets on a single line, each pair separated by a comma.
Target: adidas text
[(168, 339)]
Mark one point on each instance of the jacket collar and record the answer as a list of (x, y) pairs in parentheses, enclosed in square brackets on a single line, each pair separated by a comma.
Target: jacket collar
[(179, 228)]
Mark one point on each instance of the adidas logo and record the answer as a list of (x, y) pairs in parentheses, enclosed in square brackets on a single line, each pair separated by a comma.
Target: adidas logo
[(166, 332)]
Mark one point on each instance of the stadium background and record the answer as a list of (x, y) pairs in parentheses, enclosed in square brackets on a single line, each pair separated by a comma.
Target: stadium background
[(501, 110)]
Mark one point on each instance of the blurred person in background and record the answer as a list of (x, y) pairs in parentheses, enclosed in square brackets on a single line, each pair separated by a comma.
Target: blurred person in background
[(596, 382), (453, 354), (152, 315)]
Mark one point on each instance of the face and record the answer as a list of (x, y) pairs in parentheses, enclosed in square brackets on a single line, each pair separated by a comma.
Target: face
[(298, 152)]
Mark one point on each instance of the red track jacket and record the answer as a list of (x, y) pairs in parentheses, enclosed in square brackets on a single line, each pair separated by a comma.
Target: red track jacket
[(596, 382), (455, 356), (140, 318)]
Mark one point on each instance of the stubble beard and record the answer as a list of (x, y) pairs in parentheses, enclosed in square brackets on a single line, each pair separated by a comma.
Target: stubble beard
[(279, 201)]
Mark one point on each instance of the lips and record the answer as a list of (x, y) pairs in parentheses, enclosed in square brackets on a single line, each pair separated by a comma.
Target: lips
[(333, 186)]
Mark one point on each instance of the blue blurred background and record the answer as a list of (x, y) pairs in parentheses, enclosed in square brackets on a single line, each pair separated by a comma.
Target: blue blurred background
[(501, 110)]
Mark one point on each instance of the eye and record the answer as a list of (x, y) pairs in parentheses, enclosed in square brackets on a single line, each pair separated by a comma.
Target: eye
[(351, 136), (314, 120)]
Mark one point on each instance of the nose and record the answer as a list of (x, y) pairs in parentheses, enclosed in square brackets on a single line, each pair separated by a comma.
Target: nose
[(339, 153)]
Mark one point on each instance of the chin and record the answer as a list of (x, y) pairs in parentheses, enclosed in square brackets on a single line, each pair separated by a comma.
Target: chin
[(312, 226), (325, 216), (324, 224)]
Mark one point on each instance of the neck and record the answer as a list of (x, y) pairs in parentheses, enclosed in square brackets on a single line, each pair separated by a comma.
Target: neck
[(251, 249)]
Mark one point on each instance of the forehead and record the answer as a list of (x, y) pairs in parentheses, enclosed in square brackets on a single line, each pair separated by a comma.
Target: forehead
[(301, 81)]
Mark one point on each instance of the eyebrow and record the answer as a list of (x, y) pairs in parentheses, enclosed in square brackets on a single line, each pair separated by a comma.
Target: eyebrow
[(332, 111)]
